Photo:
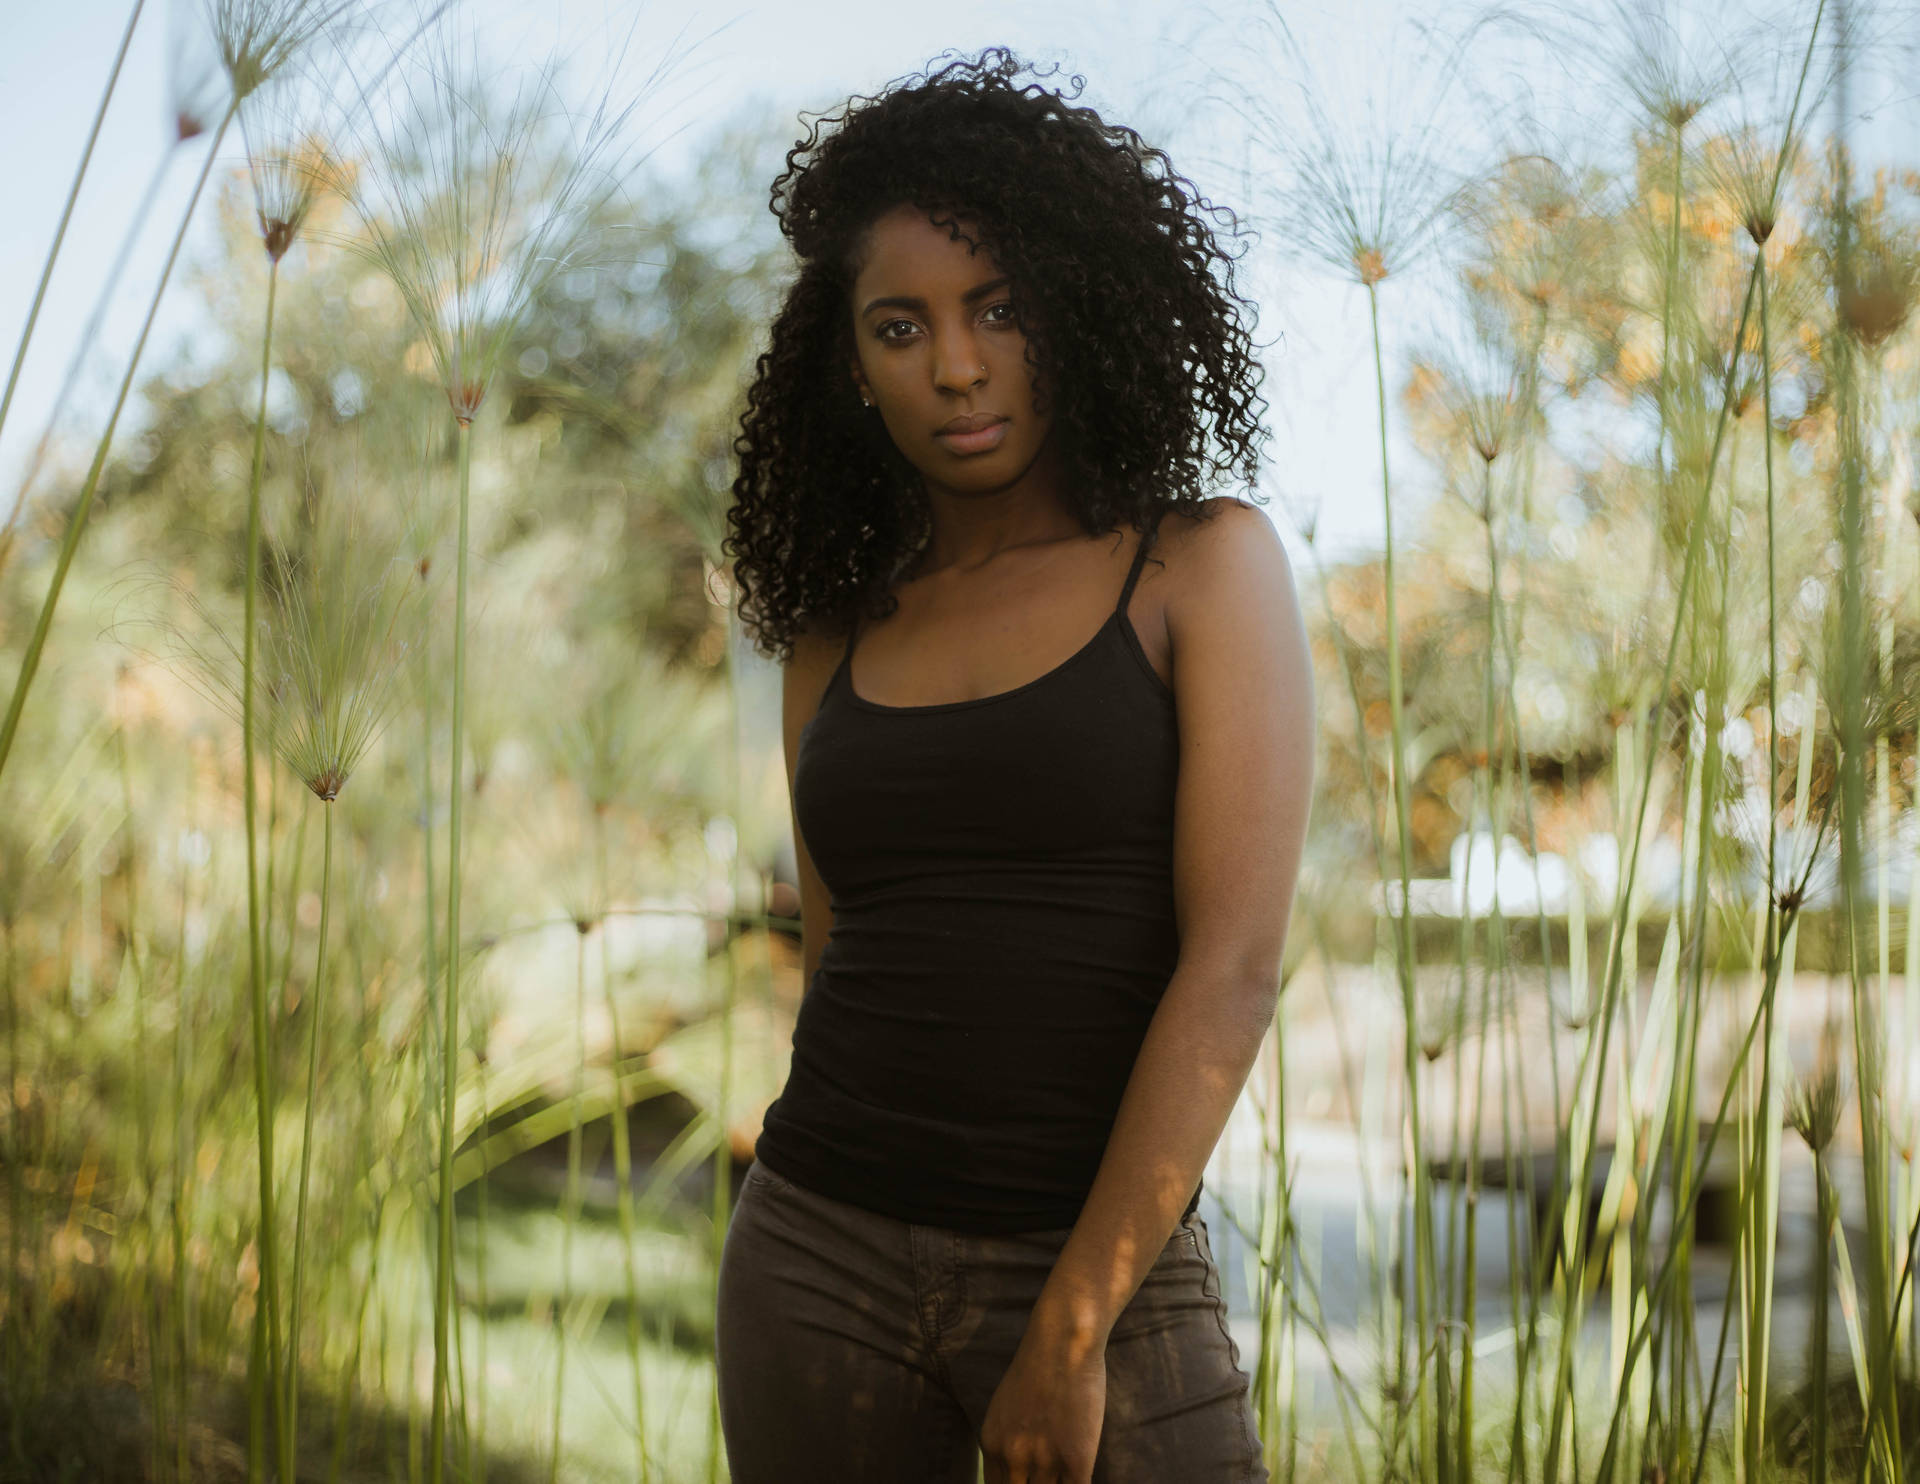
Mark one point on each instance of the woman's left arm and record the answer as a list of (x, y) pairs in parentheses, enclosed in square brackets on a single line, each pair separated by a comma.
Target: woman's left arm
[(1243, 685)]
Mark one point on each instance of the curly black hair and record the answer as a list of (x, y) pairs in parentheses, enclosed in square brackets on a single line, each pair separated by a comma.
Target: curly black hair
[(1139, 345)]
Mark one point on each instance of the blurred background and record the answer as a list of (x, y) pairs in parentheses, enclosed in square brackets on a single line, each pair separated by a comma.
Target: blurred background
[(399, 349)]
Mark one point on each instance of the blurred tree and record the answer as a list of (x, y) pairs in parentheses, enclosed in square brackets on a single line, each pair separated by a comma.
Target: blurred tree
[(619, 400), (1560, 264)]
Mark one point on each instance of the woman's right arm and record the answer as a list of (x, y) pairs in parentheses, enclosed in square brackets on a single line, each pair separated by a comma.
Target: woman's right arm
[(815, 658)]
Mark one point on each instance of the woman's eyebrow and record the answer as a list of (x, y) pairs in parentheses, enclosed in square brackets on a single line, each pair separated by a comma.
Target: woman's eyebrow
[(909, 301)]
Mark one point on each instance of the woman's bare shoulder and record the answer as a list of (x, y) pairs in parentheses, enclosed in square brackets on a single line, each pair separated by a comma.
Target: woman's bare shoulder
[(1182, 525), (818, 644), (1188, 540)]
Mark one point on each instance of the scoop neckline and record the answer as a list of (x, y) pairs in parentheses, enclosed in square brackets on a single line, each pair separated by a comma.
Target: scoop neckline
[(846, 668)]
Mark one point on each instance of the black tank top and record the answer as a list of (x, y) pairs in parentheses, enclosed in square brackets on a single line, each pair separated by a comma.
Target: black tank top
[(1001, 874)]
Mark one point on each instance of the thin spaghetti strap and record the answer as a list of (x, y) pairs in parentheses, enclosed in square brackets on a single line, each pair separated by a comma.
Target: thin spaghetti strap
[(1139, 560)]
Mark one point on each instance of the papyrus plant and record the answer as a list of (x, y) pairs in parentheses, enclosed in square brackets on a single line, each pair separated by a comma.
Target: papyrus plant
[(1368, 200), (195, 102), (340, 621), (1813, 1108), (60, 229), (1477, 384), (254, 39), (473, 193), (1872, 297)]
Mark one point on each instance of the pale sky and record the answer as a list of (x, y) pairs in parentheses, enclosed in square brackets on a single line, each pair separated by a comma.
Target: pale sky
[(1135, 55)]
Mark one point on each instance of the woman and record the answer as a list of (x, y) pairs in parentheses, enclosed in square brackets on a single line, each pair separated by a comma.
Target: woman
[(1044, 877)]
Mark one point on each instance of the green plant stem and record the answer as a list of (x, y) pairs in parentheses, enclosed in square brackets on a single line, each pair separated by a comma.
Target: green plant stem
[(476, 1437), (77, 360), (429, 970), (1657, 1289), (1469, 1248), (343, 1415), (283, 976), (153, 1314), (412, 1392), (450, 1006), (1683, 1091), (306, 1133), (182, 1159), (1272, 1179), (1776, 965), (1682, 1113), (1761, 1333), (1403, 918), (622, 1158), (1346, 1395), (1598, 1047), (256, 946), (1753, 1254), (570, 1203), (1288, 1255), (1850, 724), (1518, 1305), (1822, 1325), (344, 1409), (1666, 1270), (1670, 273), (1370, 1206), (1271, 1252), (1347, 671), (1526, 1320), (130, 884), (16, 1183), (723, 1150), (66, 213), (1713, 1385), (257, 1359), (76, 525), (459, 1422), (1910, 1247)]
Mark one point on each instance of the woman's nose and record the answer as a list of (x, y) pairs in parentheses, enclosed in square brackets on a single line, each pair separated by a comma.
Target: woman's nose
[(958, 365)]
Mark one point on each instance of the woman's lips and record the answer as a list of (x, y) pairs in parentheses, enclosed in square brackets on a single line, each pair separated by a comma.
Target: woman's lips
[(979, 442)]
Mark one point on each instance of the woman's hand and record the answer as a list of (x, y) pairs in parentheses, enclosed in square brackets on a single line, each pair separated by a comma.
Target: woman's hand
[(1043, 1424)]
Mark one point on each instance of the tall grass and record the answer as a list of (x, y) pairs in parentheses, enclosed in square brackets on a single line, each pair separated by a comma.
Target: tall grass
[(66, 214), (1863, 322), (36, 644), (1705, 373), (602, 748), (255, 40), (475, 200), (1368, 209)]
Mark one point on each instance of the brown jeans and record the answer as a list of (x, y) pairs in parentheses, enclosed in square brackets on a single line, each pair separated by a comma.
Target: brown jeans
[(856, 1348)]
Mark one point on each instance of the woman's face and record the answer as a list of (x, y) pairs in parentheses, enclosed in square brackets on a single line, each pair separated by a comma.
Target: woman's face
[(937, 343)]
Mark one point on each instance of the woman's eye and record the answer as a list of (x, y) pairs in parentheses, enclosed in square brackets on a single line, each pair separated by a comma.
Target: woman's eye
[(1009, 317), (882, 331)]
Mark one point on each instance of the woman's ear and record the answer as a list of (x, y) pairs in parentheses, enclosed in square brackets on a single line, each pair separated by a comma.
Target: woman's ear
[(860, 385)]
